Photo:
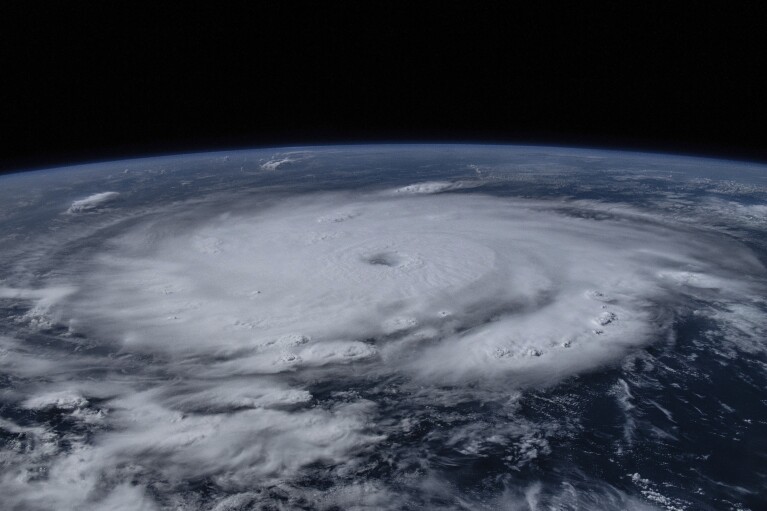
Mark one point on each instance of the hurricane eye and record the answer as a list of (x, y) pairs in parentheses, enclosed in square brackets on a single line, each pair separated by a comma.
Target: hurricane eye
[(390, 259)]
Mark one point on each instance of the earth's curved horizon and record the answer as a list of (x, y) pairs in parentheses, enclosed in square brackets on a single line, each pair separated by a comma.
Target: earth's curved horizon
[(387, 326)]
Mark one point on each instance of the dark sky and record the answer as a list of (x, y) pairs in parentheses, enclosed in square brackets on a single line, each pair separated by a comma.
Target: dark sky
[(109, 80)]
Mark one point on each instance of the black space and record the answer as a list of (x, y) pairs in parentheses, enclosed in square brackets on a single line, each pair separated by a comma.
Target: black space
[(95, 81)]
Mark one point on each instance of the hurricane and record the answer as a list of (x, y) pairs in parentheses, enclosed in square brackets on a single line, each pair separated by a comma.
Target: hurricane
[(436, 328)]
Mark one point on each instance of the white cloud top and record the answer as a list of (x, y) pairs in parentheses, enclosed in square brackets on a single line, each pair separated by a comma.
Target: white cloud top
[(92, 202)]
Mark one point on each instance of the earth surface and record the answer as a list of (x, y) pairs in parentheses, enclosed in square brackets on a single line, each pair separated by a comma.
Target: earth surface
[(385, 327)]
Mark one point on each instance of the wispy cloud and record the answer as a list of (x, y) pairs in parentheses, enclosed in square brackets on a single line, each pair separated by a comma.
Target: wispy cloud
[(92, 202)]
